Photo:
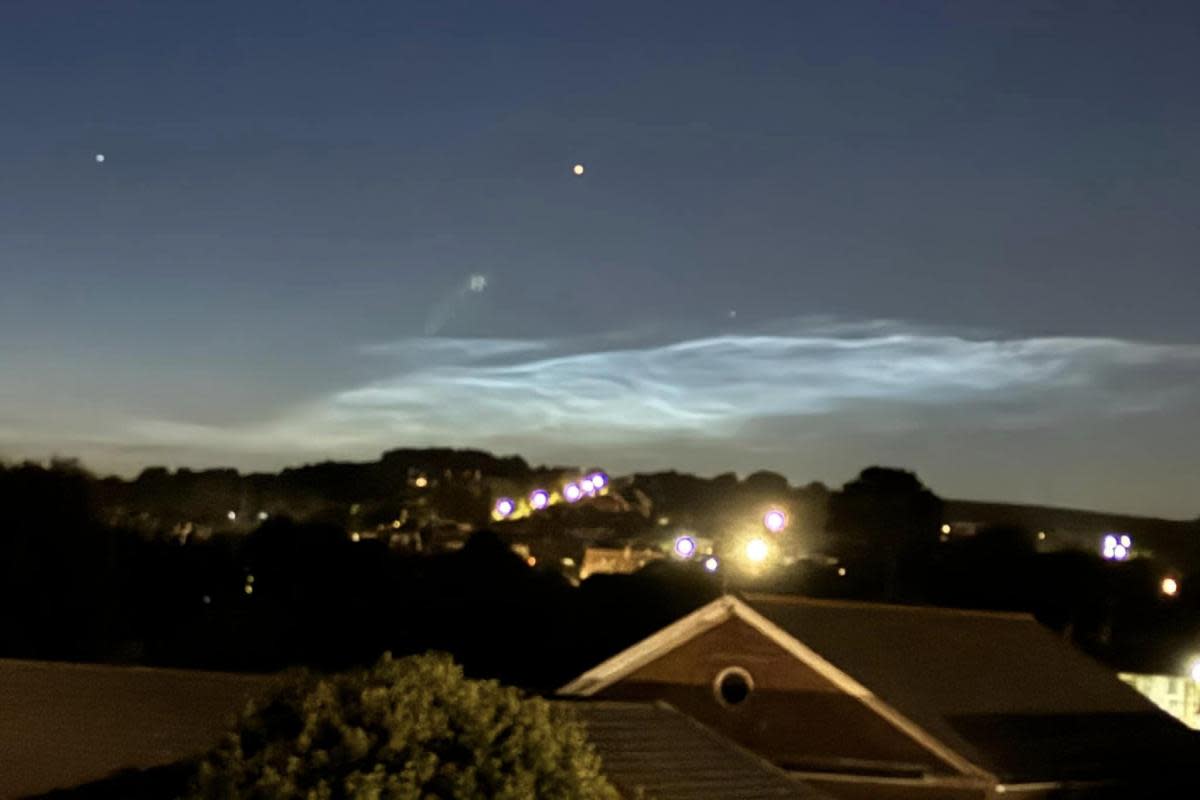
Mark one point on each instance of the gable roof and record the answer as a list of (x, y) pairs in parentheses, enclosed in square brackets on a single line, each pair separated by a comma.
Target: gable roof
[(723, 608), (997, 687), (657, 750), (978, 689)]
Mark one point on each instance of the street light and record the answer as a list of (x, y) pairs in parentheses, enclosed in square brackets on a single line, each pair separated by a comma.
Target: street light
[(1169, 586), (756, 550), (504, 507), (539, 499), (572, 492), (685, 547), (1117, 548), (775, 520)]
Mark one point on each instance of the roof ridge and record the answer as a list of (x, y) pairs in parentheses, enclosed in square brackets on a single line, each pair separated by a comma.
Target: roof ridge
[(800, 600)]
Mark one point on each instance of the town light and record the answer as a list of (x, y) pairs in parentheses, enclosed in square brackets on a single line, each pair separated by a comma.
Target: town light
[(539, 499), (711, 564), (231, 516), (587, 486), (756, 550), (1116, 548), (946, 529), (1169, 586), (572, 492), (775, 520), (505, 507), (685, 547), (599, 480)]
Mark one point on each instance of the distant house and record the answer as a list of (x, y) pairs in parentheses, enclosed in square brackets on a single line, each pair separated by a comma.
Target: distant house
[(1177, 695), (652, 750), (616, 560), (876, 701)]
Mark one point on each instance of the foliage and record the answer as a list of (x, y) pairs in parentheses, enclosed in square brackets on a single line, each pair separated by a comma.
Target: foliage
[(404, 728)]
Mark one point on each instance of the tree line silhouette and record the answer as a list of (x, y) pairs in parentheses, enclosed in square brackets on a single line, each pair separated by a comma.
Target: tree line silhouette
[(73, 585)]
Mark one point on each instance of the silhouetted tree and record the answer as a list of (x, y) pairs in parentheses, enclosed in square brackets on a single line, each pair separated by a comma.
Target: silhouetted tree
[(407, 728), (891, 514)]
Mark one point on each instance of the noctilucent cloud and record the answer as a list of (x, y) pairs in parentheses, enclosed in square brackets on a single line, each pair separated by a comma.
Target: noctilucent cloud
[(809, 237)]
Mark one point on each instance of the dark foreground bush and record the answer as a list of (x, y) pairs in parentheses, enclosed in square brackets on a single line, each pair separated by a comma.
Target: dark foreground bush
[(405, 728)]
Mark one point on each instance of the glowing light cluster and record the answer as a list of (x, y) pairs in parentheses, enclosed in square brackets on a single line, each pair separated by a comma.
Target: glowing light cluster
[(1117, 547), (540, 498)]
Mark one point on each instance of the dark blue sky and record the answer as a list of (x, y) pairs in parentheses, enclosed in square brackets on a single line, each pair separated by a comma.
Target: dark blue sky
[(958, 237)]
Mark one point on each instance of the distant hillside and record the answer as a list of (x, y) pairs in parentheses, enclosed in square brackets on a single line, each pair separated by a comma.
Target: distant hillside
[(1174, 542)]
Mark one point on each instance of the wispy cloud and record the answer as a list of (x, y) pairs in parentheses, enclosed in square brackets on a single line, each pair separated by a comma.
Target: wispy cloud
[(608, 392)]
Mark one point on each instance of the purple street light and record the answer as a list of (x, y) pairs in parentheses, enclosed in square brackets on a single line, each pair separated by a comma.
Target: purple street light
[(572, 492), (685, 547), (599, 480), (775, 520), (539, 499), (587, 486), (504, 507)]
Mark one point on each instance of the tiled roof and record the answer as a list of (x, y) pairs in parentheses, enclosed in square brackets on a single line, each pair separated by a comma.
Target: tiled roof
[(66, 724), (666, 755)]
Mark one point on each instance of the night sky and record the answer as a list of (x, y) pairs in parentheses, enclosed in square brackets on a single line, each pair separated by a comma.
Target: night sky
[(956, 237)]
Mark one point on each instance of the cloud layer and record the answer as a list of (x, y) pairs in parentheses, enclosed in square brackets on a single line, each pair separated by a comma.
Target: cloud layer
[(588, 391), (639, 400)]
